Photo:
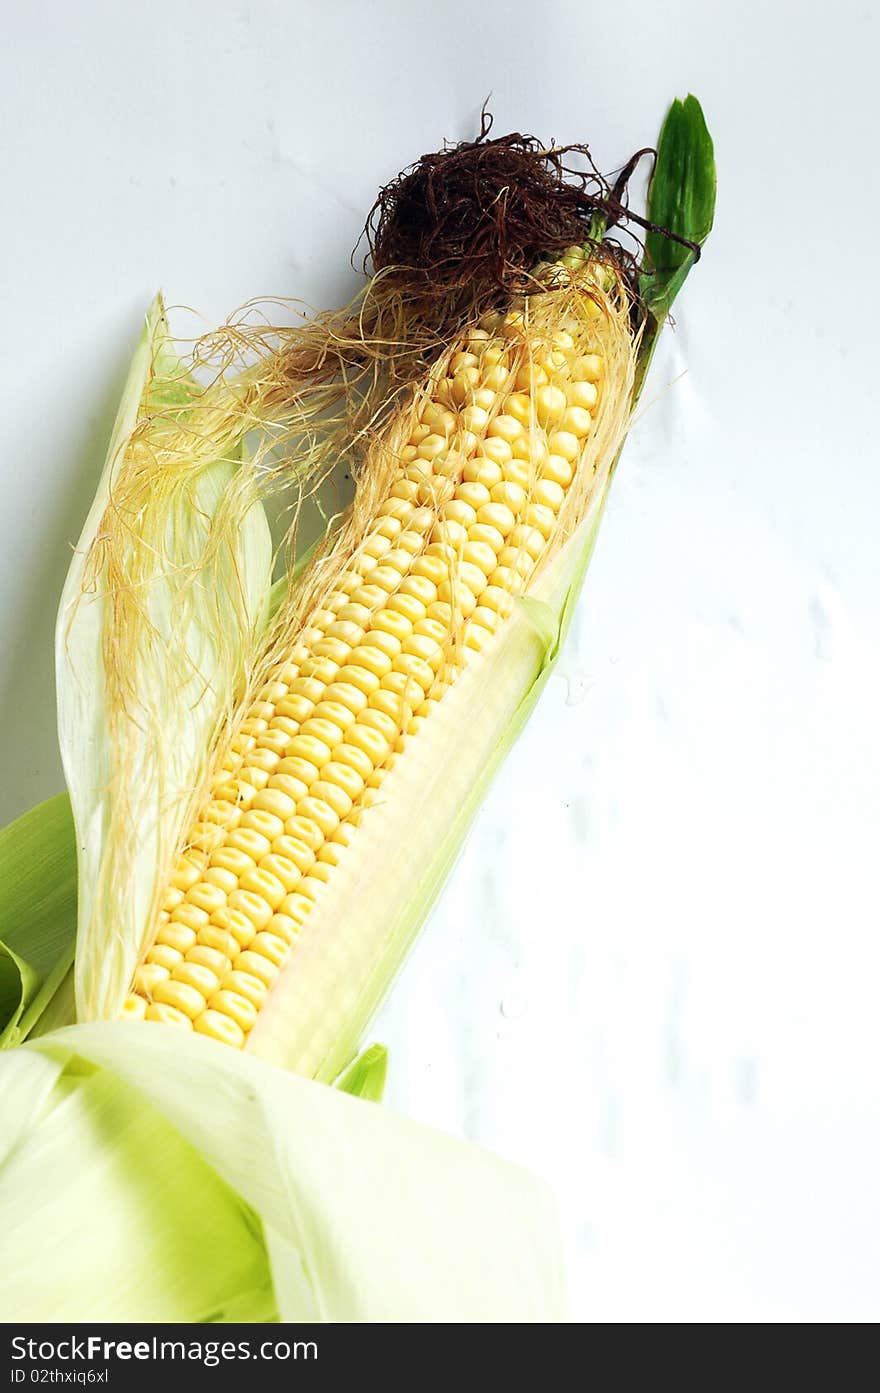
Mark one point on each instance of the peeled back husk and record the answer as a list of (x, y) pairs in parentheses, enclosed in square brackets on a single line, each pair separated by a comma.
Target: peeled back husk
[(164, 602)]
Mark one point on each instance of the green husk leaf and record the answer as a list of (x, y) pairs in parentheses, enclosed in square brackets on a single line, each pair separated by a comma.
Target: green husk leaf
[(37, 913), (365, 1076), (165, 598), (166, 1174), (109, 1214), (681, 198)]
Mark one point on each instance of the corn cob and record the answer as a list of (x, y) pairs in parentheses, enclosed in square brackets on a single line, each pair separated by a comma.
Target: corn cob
[(473, 506)]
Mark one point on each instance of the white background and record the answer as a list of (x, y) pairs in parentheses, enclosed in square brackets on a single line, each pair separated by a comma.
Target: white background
[(654, 975)]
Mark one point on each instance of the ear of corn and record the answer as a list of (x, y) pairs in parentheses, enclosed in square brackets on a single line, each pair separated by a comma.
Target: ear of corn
[(335, 810)]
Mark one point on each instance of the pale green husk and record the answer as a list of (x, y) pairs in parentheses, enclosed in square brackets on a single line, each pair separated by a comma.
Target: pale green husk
[(150, 655), (150, 1175), (37, 914)]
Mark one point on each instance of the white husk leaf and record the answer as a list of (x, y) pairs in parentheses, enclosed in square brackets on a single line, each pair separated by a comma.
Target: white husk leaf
[(365, 1216), (175, 635)]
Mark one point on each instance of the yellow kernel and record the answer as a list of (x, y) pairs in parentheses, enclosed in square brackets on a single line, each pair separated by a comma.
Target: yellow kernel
[(246, 840), (343, 774), (459, 596), (171, 897), (262, 758), (550, 403), (196, 975), (531, 447), (295, 850), (557, 470), (168, 1015), (519, 406), (185, 874), (217, 875), (528, 539), (294, 708), (261, 823), (252, 905), (176, 936), (149, 975), (262, 884), (475, 419), (564, 443), (237, 1008), (517, 560), (587, 368), (282, 926), (496, 515), (367, 740), (273, 800), (405, 490), (511, 494), (310, 748), (449, 532), (234, 922), (529, 377), (392, 623), (246, 985), (274, 740), (408, 606), (375, 545), (271, 947), (476, 637), (577, 421), (183, 997), (283, 870), (347, 695), (304, 830), (360, 677), (415, 667), (463, 383), (297, 907), (395, 508), (584, 394), (164, 955), (334, 711), (221, 941), (312, 886), (134, 1007), (258, 966), (506, 427), (330, 853), (221, 811), (318, 728), (220, 1027), (189, 915), (463, 360), (458, 510), (321, 813), (481, 532), (542, 518), (250, 774), (370, 657), (548, 494), (214, 959), (482, 472), (206, 896)]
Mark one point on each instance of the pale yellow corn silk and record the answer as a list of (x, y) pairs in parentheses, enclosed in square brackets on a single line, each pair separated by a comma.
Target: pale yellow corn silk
[(197, 971)]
